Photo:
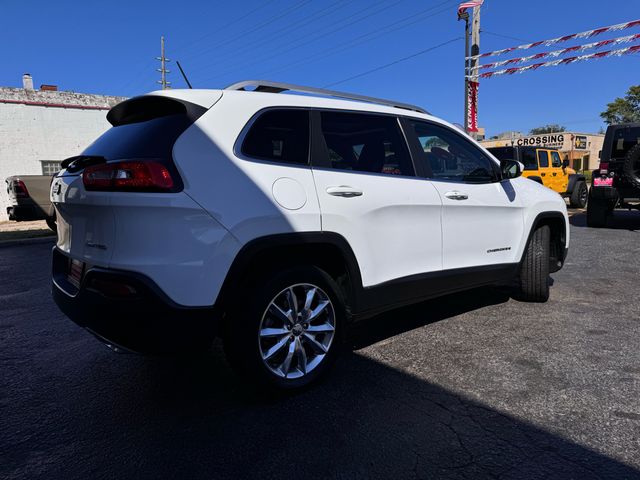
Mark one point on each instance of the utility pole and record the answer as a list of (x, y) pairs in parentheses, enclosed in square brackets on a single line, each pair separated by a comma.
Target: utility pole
[(163, 70), (475, 45)]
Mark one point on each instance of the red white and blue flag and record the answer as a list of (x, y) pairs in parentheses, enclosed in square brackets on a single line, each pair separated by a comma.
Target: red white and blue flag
[(464, 5)]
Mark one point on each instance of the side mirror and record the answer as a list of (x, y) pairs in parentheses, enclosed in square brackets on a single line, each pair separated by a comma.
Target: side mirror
[(565, 163), (511, 169)]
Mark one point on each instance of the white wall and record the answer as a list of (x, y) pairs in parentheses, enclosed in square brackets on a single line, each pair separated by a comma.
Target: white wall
[(30, 133)]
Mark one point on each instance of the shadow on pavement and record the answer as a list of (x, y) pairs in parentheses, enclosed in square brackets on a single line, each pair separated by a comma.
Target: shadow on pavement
[(368, 332), (620, 220), (110, 416)]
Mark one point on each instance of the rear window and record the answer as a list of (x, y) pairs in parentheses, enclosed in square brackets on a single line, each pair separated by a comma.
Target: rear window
[(624, 139), (527, 156), (504, 153), (144, 127), (148, 139)]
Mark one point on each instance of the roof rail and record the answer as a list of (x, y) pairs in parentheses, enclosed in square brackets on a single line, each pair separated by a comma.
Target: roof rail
[(277, 87)]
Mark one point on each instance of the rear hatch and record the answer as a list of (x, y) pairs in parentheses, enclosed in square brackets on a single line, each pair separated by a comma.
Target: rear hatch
[(128, 163)]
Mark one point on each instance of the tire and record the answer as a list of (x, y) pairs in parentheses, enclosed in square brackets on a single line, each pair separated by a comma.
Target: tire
[(534, 271), (579, 195), (632, 166), (51, 223), (280, 350), (597, 213)]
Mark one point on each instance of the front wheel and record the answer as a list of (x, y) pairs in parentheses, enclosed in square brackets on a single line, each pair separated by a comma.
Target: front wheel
[(579, 195), (534, 271), (287, 333)]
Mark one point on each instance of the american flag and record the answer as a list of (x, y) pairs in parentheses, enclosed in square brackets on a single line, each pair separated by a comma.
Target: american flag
[(464, 5)]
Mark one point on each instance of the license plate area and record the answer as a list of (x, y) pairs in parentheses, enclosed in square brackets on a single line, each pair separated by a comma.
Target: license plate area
[(75, 272)]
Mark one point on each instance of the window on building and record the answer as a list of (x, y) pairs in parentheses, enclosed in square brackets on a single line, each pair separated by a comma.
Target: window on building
[(364, 143), (50, 167), (279, 136)]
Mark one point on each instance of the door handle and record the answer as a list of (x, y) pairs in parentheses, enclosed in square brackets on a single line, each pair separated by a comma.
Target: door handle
[(344, 191), (456, 195), (554, 174), (543, 174)]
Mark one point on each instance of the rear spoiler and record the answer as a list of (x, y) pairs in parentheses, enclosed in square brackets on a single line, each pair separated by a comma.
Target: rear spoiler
[(148, 107)]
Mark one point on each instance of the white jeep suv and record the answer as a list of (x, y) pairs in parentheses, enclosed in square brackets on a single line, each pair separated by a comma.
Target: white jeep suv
[(274, 220)]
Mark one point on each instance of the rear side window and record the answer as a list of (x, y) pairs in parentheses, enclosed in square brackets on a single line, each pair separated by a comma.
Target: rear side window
[(543, 157), (279, 136), (364, 143)]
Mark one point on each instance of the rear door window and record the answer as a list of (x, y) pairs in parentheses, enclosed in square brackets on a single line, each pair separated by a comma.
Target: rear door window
[(543, 158), (280, 135), (362, 142)]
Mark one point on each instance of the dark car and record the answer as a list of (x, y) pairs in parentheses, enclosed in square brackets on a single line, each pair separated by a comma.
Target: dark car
[(616, 183)]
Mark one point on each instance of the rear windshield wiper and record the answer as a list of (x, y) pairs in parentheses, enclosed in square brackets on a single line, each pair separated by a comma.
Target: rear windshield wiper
[(74, 164)]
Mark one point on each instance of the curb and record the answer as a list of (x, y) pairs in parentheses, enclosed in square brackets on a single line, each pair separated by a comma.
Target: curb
[(28, 241)]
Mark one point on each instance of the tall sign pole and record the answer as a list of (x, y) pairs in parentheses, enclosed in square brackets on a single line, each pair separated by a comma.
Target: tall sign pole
[(465, 16), (475, 50)]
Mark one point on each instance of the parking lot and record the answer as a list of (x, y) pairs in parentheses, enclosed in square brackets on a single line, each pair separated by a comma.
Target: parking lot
[(474, 385)]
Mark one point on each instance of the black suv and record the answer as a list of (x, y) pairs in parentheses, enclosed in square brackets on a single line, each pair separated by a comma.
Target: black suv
[(616, 183)]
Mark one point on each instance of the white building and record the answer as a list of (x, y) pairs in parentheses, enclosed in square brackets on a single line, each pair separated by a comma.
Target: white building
[(40, 128)]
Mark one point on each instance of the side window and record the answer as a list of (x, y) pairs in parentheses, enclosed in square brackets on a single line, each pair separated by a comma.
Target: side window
[(453, 157), (279, 136), (555, 160), (364, 143), (543, 158), (529, 158)]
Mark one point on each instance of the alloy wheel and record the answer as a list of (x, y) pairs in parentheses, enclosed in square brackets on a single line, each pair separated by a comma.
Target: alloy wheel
[(297, 330)]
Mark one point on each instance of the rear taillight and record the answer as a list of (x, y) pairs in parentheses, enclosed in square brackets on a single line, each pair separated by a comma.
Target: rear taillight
[(604, 168), (20, 189), (130, 176)]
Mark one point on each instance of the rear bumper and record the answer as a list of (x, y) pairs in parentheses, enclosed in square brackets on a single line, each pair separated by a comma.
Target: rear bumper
[(604, 193), (21, 213), (127, 310)]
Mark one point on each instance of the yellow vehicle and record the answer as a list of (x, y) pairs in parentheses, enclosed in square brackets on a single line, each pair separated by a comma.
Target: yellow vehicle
[(544, 165)]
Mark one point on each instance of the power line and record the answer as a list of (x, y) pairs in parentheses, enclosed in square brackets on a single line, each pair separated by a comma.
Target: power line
[(395, 62), (227, 25), (361, 39), (283, 31), (324, 34), (505, 36), (253, 29)]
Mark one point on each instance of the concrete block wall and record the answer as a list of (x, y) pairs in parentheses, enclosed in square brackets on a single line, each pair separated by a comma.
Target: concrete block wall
[(42, 125)]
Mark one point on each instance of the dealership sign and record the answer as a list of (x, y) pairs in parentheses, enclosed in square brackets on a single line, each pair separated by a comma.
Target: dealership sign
[(553, 140)]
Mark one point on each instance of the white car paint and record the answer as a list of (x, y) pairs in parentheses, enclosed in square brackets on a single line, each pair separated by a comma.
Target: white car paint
[(185, 242)]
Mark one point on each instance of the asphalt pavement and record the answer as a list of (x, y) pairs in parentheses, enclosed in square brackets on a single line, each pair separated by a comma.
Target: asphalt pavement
[(474, 385)]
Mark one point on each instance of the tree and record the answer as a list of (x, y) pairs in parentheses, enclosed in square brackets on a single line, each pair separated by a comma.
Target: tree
[(552, 128), (624, 110)]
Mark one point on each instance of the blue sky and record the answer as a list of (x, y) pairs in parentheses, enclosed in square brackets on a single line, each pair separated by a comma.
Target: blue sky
[(109, 47)]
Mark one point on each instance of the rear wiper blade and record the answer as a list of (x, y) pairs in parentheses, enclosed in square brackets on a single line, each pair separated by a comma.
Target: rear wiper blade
[(73, 164)]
